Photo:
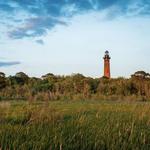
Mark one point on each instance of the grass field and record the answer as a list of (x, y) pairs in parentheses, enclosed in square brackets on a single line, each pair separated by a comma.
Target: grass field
[(76, 125)]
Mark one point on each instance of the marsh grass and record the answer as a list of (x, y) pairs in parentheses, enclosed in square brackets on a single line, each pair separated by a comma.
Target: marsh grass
[(84, 125)]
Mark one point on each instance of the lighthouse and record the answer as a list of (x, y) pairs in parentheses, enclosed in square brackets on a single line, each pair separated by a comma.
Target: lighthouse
[(107, 65)]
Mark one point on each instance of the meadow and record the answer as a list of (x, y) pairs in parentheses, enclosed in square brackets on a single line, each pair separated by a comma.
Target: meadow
[(75, 125)]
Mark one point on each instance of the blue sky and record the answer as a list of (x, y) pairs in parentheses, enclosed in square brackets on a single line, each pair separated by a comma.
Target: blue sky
[(71, 36)]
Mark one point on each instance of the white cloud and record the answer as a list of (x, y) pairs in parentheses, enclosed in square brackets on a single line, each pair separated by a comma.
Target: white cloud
[(80, 47)]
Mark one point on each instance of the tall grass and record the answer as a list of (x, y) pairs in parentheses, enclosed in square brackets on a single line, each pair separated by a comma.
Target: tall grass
[(79, 125)]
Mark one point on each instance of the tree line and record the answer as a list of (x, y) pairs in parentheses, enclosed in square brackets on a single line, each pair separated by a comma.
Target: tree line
[(73, 87)]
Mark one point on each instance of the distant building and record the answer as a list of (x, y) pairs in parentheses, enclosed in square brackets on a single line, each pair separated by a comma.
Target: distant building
[(106, 65)]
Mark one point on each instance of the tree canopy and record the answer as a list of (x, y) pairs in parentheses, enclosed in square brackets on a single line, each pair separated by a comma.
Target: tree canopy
[(73, 87)]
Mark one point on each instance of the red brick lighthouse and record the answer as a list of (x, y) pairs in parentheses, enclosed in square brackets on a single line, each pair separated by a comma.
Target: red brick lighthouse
[(107, 65)]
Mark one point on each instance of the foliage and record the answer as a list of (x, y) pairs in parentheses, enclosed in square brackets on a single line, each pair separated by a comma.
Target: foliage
[(75, 86)]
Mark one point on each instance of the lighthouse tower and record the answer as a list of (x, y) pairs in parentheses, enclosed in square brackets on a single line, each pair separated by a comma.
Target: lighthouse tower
[(107, 65)]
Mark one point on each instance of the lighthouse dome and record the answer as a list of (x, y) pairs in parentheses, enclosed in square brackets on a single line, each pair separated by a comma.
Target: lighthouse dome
[(106, 52)]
